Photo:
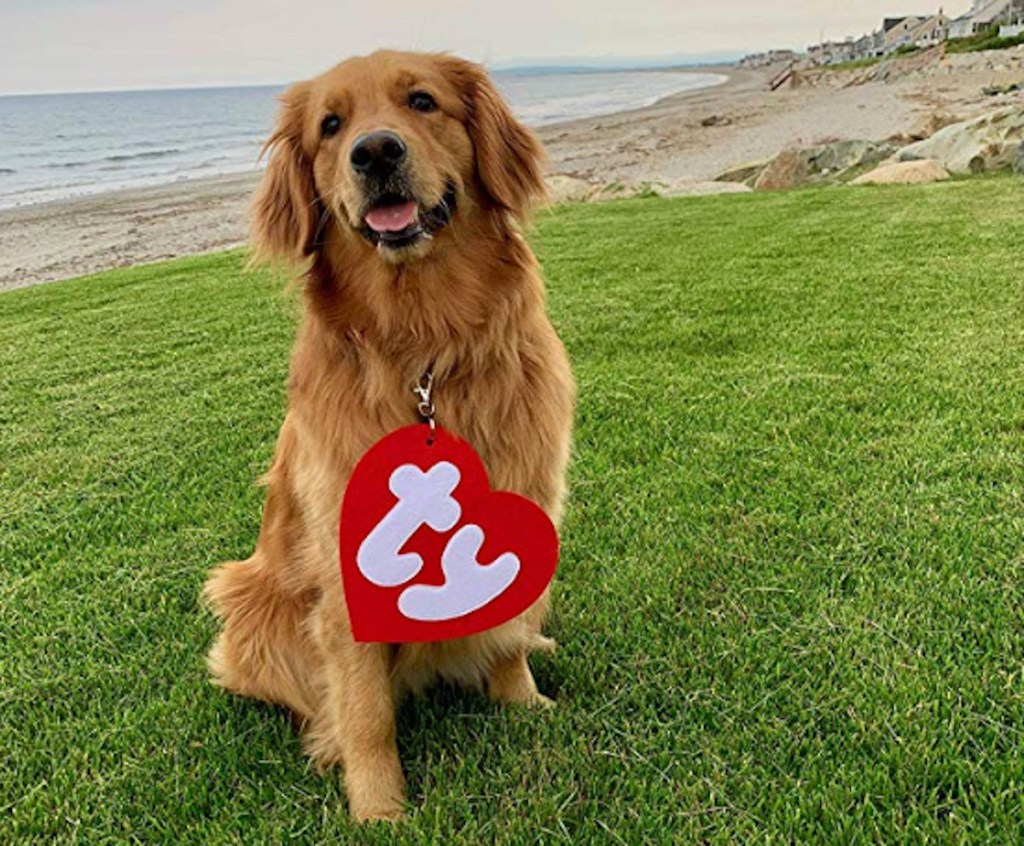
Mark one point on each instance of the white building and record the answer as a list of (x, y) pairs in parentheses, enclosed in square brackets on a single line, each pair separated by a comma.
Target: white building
[(983, 14)]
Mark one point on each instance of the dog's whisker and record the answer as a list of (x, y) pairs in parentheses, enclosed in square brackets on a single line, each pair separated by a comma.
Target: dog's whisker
[(320, 224)]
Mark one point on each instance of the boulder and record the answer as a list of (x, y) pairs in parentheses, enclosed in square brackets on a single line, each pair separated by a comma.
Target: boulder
[(746, 172), (989, 142), (931, 123), (837, 156), (787, 170), (563, 188), (716, 120), (1018, 163), (828, 162), (904, 173)]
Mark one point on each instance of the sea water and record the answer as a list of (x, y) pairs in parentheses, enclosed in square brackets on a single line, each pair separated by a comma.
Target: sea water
[(55, 146)]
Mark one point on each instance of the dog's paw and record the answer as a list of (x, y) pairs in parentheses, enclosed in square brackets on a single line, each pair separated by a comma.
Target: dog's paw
[(539, 700), (390, 817), (370, 812), (531, 698), (376, 792)]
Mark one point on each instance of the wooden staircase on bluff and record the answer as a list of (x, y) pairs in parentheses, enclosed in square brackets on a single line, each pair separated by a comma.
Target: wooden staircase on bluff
[(782, 77)]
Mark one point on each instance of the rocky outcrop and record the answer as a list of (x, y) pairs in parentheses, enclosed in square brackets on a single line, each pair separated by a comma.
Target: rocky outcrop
[(924, 65), (787, 170), (746, 173), (841, 157), (989, 142), (929, 124), (904, 173), (836, 161)]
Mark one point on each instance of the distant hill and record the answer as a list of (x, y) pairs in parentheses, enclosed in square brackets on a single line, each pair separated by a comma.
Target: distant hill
[(577, 64)]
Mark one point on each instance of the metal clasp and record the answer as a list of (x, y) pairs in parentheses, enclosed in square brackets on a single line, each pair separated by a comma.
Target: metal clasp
[(424, 390)]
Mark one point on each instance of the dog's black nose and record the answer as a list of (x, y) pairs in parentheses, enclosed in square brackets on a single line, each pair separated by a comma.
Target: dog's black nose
[(377, 153)]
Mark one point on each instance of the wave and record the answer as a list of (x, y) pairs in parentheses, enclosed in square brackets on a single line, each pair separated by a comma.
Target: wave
[(107, 142), (119, 159), (149, 154)]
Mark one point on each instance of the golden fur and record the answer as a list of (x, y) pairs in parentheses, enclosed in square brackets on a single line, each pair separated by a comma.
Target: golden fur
[(471, 301)]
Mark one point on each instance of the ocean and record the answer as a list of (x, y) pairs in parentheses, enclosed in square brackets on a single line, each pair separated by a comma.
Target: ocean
[(55, 146)]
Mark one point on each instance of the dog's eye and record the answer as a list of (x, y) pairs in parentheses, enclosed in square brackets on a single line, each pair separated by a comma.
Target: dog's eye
[(330, 125), (421, 101)]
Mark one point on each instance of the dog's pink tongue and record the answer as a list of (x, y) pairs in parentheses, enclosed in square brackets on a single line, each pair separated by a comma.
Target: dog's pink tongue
[(392, 218)]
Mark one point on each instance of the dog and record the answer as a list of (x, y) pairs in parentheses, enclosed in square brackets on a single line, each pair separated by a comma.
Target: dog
[(399, 184)]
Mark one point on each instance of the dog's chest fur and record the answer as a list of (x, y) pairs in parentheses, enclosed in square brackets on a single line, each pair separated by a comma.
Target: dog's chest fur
[(513, 406)]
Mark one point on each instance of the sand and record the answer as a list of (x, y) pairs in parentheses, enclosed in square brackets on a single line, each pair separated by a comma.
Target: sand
[(694, 135), (747, 122), (56, 240)]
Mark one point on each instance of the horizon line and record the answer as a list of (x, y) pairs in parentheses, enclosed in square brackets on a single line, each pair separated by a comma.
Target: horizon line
[(582, 65)]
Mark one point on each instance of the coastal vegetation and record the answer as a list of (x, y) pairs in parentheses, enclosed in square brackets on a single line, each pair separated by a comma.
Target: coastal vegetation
[(789, 604), (988, 39)]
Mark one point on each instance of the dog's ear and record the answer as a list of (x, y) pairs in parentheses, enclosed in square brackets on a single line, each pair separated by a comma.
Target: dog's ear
[(285, 207), (509, 158)]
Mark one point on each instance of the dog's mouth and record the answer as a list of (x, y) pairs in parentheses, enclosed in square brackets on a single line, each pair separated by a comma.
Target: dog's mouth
[(394, 221)]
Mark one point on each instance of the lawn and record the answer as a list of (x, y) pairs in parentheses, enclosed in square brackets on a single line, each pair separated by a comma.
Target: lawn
[(790, 603)]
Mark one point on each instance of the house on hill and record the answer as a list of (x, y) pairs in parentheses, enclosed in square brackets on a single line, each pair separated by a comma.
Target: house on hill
[(930, 31), (983, 15), (771, 57), (831, 52), (896, 32), (1013, 26), (864, 47)]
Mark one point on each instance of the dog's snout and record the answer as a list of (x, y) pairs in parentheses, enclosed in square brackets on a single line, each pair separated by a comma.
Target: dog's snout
[(378, 153)]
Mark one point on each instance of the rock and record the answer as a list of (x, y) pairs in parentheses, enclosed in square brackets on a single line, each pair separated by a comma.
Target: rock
[(695, 188), (787, 170), (716, 120), (747, 172), (826, 163), (997, 90), (838, 156), (563, 188), (989, 142), (927, 126), (1018, 163), (904, 173)]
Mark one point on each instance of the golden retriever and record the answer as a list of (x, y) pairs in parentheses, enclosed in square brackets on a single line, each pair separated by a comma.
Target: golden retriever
[(402, 182)]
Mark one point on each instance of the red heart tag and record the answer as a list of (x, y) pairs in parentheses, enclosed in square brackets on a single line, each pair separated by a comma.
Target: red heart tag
[(429, 551)]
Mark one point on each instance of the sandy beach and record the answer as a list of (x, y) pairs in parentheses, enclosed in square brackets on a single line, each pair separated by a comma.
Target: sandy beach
[(690, 136)]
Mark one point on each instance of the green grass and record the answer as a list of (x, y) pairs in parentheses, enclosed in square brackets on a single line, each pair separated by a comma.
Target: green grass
[(790, 603), (987, 40), (857, 64), (871, 61)]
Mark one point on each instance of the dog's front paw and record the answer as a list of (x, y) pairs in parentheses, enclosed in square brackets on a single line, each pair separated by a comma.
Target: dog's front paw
[(539, 700), (510, 681), (378, 793), (388, 812)]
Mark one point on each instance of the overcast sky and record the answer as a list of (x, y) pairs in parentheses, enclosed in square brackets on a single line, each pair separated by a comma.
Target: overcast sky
[(74, 45)]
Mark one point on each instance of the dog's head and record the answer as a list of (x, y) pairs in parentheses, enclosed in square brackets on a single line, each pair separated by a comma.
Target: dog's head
[(391, 151)]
